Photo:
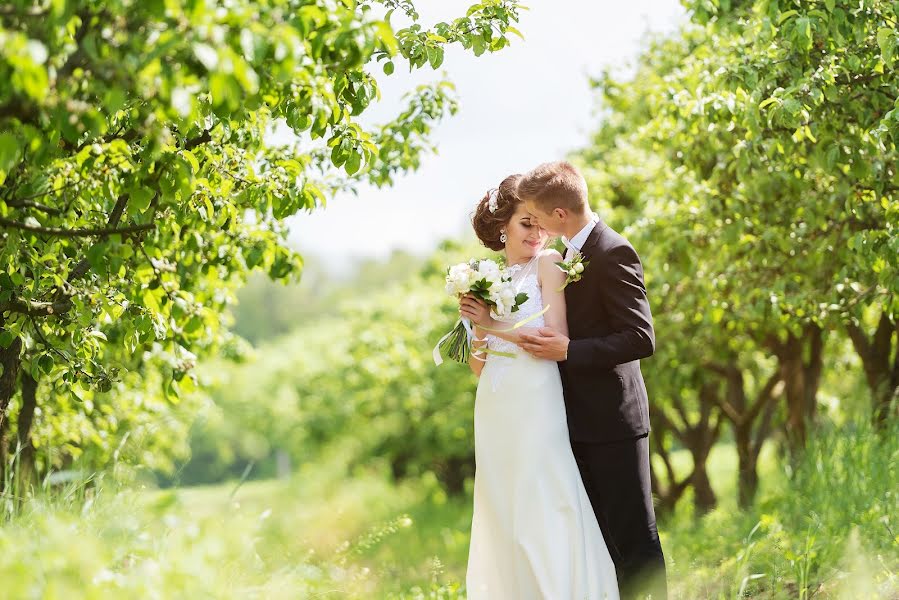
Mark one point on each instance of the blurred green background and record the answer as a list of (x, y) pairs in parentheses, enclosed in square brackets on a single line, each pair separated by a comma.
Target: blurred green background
[(189, 408)]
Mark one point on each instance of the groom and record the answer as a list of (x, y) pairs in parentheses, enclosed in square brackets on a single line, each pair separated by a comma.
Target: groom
[(610, 328)]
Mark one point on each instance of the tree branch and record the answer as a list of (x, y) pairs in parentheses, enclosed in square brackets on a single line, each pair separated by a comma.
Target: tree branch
[(882, 337), (764, 396), (83, 265), (859, 340), (36, 308), (729, 410), (663, 454), (761, 434), (32, 204), (199, 140), (104, 231)]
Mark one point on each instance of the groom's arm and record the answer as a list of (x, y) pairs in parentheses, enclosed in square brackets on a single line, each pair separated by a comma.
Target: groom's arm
[(623, 294)]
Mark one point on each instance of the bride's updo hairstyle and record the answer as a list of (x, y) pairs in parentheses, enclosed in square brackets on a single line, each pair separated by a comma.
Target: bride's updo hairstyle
[(494, 211)]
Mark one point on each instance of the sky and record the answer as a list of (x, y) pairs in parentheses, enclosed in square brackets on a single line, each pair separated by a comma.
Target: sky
[(527, 104)]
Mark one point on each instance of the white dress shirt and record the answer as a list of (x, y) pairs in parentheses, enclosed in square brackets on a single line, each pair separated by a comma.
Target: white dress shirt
[(577, 242)]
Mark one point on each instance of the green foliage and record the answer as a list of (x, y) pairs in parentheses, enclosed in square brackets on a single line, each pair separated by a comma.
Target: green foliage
[(140, 184), (753, 159), (828, 530), (366, 371), (265, 310), (829, 534)]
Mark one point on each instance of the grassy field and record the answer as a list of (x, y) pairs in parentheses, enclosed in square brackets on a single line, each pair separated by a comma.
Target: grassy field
[(321, 534)]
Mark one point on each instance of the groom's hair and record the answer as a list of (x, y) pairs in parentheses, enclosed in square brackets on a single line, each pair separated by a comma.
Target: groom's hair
[(555, 185)]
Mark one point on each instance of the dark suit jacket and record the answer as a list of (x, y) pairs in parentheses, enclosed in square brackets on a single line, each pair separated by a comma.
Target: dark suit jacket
[(610, 327)]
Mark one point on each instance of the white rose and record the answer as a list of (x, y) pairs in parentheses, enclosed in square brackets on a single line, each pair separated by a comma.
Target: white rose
[(579, 267), (572, 272)]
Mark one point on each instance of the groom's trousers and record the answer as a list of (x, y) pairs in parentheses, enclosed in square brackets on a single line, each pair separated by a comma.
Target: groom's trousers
[(616, 477)]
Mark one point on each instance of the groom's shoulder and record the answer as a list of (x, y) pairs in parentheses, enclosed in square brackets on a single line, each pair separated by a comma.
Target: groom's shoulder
[(611, 239), (615, 247)]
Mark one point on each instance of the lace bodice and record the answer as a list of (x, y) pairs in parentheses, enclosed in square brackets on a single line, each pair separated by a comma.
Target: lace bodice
[(524, 278)]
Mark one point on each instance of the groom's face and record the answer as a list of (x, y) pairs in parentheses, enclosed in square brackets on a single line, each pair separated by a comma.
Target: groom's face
[(551, 222)]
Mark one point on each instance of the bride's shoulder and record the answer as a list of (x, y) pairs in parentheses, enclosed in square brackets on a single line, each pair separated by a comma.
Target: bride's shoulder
[(549, 256), (548, 270)]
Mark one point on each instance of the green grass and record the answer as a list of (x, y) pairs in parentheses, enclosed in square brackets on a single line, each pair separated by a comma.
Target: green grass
[(829, 532)]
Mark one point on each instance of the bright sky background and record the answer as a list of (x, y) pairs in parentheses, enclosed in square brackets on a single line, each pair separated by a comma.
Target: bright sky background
[(527, 104)]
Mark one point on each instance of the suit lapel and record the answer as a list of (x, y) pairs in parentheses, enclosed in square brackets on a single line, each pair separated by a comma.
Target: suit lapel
[(572, 293), (593, 239)]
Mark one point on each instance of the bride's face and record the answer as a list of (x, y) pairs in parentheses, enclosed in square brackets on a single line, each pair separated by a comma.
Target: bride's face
[(524, 238)]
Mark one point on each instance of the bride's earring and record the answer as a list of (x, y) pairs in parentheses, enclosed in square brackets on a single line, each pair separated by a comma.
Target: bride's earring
[(502, 236)]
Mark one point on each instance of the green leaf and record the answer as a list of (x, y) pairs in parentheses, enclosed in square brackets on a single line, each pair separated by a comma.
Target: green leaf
[(435, 56), (786, 15), (886, 39), (6, 338), (9, 154), (353, 161), (140, 198), (46, 363)]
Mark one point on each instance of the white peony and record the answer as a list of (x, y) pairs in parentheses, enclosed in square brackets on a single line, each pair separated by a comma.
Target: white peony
[(488, 267), (458, 281)]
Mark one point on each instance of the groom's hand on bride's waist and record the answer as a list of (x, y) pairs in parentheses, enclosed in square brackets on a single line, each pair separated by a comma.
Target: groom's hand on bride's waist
[(547, 343)]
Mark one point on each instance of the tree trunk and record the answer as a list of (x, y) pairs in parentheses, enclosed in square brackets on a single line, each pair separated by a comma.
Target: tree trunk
[(703, 436), (10, 362), (698, 437), (704, 496), (750, 432), (24, 423), (454, 473), (888, 404), (670, 494), (794, 377), (748, 478), (801, 360), (881, 373)]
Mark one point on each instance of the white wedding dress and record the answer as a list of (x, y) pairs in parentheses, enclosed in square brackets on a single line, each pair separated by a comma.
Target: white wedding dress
[(533, 531)]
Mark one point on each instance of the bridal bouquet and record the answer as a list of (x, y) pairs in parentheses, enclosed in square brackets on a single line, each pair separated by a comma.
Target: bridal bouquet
[(483, 279)]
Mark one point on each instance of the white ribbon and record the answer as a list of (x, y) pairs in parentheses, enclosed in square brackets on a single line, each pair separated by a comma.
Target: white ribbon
[(438, 360), (466, 323)]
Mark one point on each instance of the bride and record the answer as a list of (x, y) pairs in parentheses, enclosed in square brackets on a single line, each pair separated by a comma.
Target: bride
[(533, 531)]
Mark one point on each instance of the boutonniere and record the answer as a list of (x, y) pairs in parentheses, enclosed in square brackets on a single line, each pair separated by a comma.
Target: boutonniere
[(573, 269)]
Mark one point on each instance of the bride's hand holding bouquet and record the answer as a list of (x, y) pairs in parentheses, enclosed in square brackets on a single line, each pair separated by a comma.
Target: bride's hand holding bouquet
[(484, 286)]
